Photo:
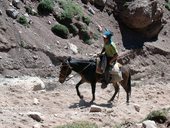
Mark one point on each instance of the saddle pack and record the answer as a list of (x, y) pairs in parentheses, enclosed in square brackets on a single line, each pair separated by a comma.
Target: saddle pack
[(115, 73)]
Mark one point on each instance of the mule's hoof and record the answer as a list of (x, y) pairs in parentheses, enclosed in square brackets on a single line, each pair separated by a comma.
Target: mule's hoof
[(127, 103), (109, 101), (81, 97), (104, 85), (91, 102)]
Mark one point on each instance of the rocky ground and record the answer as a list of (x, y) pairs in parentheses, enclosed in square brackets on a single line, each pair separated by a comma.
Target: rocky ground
[(61, 105)]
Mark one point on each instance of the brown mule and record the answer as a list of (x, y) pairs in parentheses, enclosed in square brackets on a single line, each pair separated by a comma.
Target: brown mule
[(87, 71)]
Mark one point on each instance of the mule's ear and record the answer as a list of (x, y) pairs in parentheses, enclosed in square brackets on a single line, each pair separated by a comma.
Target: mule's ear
[(69, 58), (60, 59)]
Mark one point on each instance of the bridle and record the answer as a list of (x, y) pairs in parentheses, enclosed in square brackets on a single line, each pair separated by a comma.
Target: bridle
[(64, 75), (68, 65)]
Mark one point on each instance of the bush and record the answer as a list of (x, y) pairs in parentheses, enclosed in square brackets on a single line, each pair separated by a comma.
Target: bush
[(70, 10), (85, 36), (45, 7), (30, 11), (158, 116), (60, 30), (95, 36), (73, 29), (81, 26), (167, 5), (89, 42), (65, 17), (86, 20), (79, 125), (23, 20)]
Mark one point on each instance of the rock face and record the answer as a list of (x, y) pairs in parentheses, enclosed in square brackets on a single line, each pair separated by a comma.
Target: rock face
[(100, 2), (144, 16)]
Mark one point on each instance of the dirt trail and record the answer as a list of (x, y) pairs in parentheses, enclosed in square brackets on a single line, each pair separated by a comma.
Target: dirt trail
[(62, 105)]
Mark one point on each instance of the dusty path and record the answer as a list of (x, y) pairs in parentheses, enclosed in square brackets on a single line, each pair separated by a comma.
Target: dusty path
[(62, 105)]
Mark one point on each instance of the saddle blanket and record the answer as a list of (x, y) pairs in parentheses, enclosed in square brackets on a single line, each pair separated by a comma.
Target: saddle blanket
[(116, 73)]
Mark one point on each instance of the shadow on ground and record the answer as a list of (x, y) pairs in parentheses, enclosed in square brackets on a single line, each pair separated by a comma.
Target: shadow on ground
[(83, 104)]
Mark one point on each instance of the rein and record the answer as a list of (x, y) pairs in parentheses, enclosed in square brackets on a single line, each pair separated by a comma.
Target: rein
[(78, 72)]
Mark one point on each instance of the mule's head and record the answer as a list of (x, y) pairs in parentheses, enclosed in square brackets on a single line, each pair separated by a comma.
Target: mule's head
[(65, 71)]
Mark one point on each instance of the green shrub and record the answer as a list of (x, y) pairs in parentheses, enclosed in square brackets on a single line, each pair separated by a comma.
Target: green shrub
[(23, 20), (167, 5), (95, 36), (65, 17), (71, 6), (85, 36), (158, 116), (60, 30), (73, 29), (79, 125), (89, 42), (45, 7), (81, 26), (86, 20), (70, 10), (30, 11)]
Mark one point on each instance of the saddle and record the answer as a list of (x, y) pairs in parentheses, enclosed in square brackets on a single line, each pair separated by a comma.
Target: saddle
[(115, 73)]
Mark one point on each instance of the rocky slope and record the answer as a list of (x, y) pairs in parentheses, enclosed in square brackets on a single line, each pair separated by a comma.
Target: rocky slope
[(33, 51)]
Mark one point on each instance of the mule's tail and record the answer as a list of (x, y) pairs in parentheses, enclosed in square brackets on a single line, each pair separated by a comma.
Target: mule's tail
[(129, 84)]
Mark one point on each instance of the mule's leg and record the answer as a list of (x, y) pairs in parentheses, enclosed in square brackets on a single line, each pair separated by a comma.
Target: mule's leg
[(93, 86), (129, 88), (116, 86), (77, 88), (126, 84), (127, 98)]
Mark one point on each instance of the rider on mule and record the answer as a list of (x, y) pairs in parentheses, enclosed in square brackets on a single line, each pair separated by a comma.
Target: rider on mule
[(111, 53)]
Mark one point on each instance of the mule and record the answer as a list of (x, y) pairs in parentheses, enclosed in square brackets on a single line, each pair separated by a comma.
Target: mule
[(87, 70)]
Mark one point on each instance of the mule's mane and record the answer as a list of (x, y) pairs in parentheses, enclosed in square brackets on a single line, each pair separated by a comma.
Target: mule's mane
[(82, 60)]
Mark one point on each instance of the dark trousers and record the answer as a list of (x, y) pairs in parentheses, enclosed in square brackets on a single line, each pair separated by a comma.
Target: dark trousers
[(107, 71), (106, 67)]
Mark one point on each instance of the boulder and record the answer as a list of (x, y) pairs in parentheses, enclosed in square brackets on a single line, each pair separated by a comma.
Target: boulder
[(36, 101), (3, 25), (37, 126), (149, 124), (95, 108), (4, 43), (36, 116), (100, 2), (38, 85), (91, 10), (73, 48), (0, 12), (16, 3), (12, 13), (137, 107), (85, 1), (143, 16)]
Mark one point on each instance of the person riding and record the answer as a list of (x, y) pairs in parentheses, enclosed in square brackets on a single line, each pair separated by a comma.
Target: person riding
[(111, 53)]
